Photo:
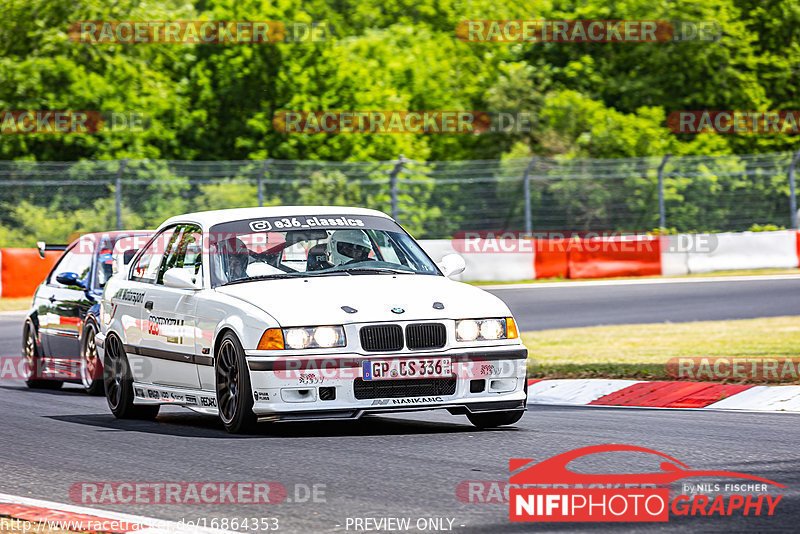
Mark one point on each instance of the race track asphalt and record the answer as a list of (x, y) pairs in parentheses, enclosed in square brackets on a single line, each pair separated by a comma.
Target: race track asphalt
[(404, 465), (575, 304), (409, 465)]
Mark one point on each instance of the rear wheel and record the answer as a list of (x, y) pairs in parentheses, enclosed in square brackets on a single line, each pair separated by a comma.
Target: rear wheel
[(118, 383), (234, 394), (495, 419), (34, 364), (91, 366)]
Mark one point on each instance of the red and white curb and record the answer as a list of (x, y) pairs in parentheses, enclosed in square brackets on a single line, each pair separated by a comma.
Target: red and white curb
[(34, 515), (677, 394)]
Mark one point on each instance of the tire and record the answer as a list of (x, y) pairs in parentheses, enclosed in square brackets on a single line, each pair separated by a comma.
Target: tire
[(495, 419), (91, 369), (118, 384), (234, 394), (34, 363)]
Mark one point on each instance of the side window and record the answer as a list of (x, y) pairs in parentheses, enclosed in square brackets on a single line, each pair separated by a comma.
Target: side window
[(183, 251), (386, 247), (75, 260), (104, 266), (146, 267)]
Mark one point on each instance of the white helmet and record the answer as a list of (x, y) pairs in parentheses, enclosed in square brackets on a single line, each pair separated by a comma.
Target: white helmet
[(347, 245)]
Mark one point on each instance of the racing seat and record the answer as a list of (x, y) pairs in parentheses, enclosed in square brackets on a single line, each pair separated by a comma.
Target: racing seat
[(318, 258)]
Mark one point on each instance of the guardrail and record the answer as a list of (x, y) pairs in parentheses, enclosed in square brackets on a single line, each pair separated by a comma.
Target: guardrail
[(498, 259), (501, 259)]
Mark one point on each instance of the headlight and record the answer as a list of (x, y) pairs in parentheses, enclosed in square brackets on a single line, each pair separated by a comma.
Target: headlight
[(467, 330), (486, 329), (297, 338), (327, 336), (323, 337)]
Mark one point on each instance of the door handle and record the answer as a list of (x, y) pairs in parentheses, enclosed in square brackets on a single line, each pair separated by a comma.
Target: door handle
[(52, 298), (148, 305)]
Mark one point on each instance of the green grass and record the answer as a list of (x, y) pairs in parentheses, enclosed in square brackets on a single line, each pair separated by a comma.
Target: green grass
[(17, 304), (744, 272), (642, 351)]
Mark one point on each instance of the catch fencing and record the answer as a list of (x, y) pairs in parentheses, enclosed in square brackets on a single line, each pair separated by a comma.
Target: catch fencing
[(433, 199)]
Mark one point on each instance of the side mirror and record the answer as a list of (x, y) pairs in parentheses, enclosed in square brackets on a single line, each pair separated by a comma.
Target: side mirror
[(452, 264), (180, 279), (70, 279), (40, 246)]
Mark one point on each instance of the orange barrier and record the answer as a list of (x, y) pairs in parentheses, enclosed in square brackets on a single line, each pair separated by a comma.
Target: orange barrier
[(617, 256), (550, 259), (22, 270)]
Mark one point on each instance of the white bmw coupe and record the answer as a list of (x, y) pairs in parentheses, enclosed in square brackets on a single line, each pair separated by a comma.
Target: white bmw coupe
[(303, 313)]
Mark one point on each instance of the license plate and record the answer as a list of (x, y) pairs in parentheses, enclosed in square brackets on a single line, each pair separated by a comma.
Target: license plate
[(402, 369)]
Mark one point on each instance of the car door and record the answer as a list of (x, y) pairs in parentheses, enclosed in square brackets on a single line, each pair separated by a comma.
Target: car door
[(66, 300), (169, 314), (129, 304)]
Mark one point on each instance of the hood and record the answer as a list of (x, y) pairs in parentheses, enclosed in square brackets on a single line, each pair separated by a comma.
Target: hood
[(319, 300)]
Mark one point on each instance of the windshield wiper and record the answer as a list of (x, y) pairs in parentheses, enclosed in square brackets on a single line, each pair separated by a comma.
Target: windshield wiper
[(278, 276), (263, 277), (367, 270)]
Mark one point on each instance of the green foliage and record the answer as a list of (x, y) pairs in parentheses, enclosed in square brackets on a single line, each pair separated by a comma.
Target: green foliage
[(765, 228), (54, 224)]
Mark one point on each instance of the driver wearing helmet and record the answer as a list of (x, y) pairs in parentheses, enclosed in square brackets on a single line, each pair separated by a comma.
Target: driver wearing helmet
[(348, 246), (238, 256)]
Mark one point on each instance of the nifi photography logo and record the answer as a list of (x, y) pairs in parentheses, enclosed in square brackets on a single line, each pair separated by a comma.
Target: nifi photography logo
[(548, 491)]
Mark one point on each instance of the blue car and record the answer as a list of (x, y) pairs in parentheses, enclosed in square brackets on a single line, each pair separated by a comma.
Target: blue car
[(59, 331)]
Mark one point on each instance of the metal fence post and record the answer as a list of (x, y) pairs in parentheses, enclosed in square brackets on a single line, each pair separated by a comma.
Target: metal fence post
[(118, 191), (792, 194), (393, 185), (264, 171), (662, 214), (526, 188)]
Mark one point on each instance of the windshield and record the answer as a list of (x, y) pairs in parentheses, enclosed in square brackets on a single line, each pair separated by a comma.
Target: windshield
[(312, 246)]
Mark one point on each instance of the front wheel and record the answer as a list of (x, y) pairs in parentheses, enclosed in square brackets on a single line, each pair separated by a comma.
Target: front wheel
[(118, 383), (91, 367), (495, 419), (34, 366), (234, 394)]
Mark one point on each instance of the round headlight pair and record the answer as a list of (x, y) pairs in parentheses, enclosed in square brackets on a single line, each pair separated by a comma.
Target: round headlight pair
[(320, 336), (486, 329)]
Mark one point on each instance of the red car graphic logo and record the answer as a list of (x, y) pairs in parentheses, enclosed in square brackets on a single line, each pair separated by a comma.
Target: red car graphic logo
[(554, 470)]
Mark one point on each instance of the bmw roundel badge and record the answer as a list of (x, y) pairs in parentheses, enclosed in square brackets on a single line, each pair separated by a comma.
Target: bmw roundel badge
[(398, 310)]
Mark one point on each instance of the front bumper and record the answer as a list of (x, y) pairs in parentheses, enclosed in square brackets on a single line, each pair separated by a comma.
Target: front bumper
[(325, 387)]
